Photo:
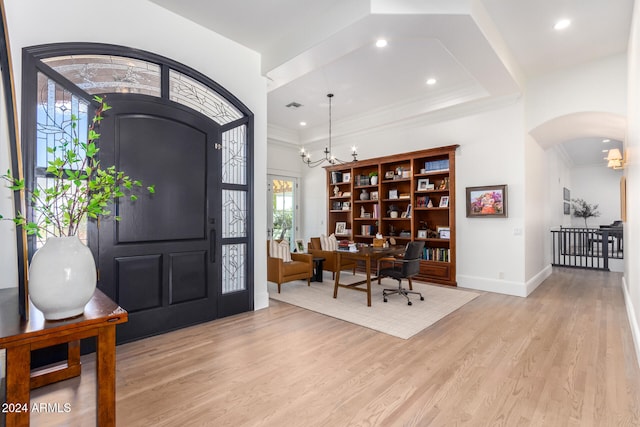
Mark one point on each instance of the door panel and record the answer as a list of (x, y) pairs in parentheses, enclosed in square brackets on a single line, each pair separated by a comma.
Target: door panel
[(158, 261)]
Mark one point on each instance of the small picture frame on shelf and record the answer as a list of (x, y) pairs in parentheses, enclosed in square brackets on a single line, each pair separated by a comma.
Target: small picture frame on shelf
[(299, 246), (444, 202), (422, 201), (374, 195), (346, 206), (341, 228), (389, 175), (444, 232), (422, 234), (403, 215), (423, 183), (346, 177), (393, 194), (431, 186), (406, 173)]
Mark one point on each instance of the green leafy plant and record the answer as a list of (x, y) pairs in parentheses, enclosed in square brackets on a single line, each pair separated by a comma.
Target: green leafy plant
[(584, 210), (79, 186), (371, 174)]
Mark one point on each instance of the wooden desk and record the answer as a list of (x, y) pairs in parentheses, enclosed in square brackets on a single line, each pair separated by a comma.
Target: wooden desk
[(366, 254), (101, 315)]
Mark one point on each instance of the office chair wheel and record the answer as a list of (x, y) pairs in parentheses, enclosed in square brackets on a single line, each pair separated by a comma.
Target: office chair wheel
[(409, 303), (421, 298)]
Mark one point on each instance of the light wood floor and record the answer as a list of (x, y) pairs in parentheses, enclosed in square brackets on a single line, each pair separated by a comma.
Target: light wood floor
[(561, 357)]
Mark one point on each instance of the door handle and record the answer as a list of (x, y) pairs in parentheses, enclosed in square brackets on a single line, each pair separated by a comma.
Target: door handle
[(212, 245)]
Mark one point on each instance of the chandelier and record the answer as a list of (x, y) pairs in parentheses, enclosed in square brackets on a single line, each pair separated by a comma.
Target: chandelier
[(328, 155)]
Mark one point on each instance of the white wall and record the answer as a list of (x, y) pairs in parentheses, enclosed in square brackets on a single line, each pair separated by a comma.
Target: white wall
[(595, 86), (144, 25), (631, 282), (597, 185)]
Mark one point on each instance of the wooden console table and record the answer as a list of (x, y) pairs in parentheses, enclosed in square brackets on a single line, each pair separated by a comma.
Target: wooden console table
[(101, 315)]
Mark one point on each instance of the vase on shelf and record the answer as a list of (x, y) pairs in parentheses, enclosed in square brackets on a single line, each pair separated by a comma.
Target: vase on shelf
[(374, 180), (364, 195), (62, 278)]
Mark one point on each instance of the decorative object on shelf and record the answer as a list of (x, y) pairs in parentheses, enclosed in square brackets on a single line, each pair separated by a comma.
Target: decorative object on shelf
[(364, 195), (429, 203), (346, 177), (62, 273), (584, 210), (393, 194), (341, 227), (374, 195), (421, 201), (422, 184), (393, 211), (346, 194), (336, 190), (422, 234), (444, 232), (392, 230), (408, 211), (346, 206), (373, 177), (487, 201), (362, 212), (388, 175), (328, 154), (444, 202)]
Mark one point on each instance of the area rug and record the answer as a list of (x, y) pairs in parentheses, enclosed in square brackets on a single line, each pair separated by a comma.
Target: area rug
[(394, 317)]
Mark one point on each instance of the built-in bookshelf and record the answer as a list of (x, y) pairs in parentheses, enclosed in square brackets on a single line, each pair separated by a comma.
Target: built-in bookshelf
[(411, 197)]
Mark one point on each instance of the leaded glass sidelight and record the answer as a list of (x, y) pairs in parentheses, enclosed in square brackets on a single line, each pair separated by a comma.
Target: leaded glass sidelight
[(98, 74), (234, 270), (187, 91), (234, 156), (234, 214)]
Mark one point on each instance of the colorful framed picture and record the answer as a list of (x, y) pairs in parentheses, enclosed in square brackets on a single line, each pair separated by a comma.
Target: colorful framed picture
[(444, 202), (487, 201), (299, 246)]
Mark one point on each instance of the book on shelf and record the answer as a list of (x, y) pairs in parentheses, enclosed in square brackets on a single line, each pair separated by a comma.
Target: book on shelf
[(336, 177), (436, 165), (436, 254)]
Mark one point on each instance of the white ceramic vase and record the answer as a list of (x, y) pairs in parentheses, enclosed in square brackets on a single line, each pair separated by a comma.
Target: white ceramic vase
[(62, 277), (374, 180)]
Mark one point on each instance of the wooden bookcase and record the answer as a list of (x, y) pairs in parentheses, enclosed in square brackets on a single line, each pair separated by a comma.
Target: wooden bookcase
[(406, 183)]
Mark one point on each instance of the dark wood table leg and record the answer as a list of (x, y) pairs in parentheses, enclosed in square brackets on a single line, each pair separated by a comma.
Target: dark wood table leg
[(368, 269), (335, 286), (106, 376), (18, 385)]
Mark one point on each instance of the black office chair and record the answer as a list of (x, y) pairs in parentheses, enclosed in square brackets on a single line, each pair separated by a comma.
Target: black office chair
[(403, 268)]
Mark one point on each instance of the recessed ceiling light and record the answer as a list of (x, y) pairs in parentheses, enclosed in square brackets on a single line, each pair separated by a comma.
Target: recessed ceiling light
[(381, 43), (606, 140), (562, 24), (431, 81), (303, 123)]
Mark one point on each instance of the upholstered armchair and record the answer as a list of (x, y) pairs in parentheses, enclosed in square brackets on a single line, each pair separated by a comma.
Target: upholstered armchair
[(280, 271), (330, 263)]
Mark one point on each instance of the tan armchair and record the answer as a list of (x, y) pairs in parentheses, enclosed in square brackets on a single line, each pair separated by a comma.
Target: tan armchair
[(330, 264), (300, 267)]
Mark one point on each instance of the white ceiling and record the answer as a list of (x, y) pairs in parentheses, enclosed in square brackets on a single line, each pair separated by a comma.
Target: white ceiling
[(475, 49)]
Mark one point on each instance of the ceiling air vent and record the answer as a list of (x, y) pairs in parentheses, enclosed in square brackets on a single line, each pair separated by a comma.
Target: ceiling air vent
[(294, 105)]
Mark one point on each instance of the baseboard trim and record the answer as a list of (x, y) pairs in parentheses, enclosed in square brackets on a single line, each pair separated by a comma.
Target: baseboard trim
[(633, 320), (518, 289)]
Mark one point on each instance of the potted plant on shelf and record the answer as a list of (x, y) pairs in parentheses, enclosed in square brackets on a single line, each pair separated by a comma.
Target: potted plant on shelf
[(62, 273), (373, 178)]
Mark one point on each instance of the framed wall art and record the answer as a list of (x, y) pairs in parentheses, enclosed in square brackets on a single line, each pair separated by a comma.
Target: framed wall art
[(487, 201)]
